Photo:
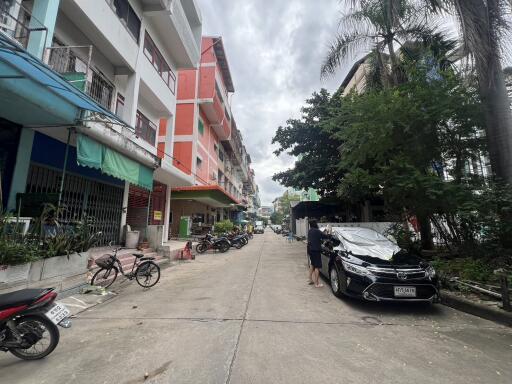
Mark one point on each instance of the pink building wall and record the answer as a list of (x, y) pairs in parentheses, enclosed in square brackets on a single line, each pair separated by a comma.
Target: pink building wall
[(195, 102)]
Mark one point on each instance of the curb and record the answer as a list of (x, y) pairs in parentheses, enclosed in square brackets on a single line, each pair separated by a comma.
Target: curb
[(464, 305)]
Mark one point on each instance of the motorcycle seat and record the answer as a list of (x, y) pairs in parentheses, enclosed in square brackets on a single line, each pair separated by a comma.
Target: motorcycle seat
[(22, 297)]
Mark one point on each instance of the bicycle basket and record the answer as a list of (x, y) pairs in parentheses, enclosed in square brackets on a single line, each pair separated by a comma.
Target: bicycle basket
[(105, 261)]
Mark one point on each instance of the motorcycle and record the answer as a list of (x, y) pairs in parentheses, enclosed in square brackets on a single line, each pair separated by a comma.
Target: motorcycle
[(28, 322), (237, 240), (221, 244)]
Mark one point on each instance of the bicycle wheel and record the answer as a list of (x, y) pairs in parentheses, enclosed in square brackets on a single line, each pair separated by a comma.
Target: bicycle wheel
[(147, 274), (104, 277)]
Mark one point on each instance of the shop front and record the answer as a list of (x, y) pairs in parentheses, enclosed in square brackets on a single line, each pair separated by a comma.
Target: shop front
[(196, 209)]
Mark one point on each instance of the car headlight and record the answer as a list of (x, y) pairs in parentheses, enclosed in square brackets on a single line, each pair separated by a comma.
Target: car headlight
[(430, 272), (357, 269)]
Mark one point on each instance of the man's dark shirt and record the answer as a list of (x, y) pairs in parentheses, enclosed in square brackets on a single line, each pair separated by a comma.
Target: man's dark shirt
[(315, 237)]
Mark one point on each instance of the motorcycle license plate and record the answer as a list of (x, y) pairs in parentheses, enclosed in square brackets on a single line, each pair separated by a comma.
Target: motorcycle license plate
[(405, 291), (58, 313)]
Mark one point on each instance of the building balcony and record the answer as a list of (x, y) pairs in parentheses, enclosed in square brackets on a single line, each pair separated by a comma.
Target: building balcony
[(216, 112), (114, 37), (14, 25), (181, 27), (155, 5), (74, 63)]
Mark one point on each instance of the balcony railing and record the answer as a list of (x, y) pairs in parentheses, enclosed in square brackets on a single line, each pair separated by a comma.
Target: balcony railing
[(74, 63), (17, 23)]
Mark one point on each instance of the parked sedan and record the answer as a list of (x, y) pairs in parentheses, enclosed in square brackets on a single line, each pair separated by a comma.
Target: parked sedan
[(362, 263)]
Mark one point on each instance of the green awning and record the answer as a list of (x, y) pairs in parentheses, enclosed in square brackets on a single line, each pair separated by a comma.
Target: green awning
[(92, 154)]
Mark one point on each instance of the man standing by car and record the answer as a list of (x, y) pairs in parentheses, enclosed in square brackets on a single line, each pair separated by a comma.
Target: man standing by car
[(315, 236)]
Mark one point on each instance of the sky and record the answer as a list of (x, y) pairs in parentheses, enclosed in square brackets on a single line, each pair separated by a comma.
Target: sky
[(274, 49)]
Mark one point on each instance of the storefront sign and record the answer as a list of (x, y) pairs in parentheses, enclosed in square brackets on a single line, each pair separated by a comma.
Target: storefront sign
[(157, 215)]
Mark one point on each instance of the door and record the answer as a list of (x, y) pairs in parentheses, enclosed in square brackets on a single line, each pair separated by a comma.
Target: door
[(326, 256)]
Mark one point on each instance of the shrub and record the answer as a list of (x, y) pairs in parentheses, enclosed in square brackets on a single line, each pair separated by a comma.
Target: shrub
[(14, 253), (223, 226), (46, 238)]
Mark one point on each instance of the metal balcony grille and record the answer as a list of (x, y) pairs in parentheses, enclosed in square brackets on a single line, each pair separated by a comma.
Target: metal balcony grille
[(71, 61), (17, 23)]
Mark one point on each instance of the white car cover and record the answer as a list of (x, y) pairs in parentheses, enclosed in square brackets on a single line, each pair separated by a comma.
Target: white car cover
[(367, 242)]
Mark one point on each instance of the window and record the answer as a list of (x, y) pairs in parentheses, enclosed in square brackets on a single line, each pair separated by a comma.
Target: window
[(145, 129), (215, 148), (201, 127), (199, 162), (221, 156), (157, 60), (120, 105), (127, 15)]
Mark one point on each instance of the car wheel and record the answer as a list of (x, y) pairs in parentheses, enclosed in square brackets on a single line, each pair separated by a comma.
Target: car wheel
[(336, 281)]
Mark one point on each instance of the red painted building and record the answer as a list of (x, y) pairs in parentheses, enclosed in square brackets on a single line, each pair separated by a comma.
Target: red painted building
[(206, 139)]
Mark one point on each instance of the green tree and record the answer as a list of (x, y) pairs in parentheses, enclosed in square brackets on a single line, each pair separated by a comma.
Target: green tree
[(277, 217), (310, 140), (483, 27), (398, 141), (377, 26)]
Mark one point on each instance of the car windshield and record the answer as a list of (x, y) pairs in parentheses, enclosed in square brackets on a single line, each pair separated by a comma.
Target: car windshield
[(365, 241)]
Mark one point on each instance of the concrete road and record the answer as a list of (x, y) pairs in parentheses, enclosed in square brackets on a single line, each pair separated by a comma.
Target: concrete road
[(248, 316)]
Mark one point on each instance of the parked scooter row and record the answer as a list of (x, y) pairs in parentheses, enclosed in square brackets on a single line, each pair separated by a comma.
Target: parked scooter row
[(224, 242)]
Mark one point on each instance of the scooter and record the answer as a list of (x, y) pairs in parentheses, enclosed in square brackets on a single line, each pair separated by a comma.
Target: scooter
[(221, 244), (28, 322), (237, 241)]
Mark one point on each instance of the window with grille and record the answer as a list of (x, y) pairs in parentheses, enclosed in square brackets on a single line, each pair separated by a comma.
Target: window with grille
[(127, 15), (156, 58), (120, 105), (201, 127), (145, 129)]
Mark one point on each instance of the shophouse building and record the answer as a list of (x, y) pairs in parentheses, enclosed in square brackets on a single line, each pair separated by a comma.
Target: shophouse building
[(88, 107), (209, 147)]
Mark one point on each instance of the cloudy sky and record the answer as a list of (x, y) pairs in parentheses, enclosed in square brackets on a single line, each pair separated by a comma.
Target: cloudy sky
[(274, 49)]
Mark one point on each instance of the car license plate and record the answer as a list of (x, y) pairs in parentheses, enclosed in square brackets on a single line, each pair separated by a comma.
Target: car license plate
[(58, 313), (405, 291)]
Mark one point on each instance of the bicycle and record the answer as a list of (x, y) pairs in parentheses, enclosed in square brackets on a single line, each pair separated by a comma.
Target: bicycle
[(144, 269)]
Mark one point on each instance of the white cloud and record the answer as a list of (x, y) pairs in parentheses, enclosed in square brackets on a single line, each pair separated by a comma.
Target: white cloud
[(274, 49)]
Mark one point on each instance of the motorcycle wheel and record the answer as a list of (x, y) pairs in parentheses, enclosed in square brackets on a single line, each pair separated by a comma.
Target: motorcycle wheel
[(238, 245), (44, 346), (245, 241), (201, 247), (224, 247)]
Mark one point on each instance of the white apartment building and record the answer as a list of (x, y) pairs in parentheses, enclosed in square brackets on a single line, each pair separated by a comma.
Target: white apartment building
[(124, 54)]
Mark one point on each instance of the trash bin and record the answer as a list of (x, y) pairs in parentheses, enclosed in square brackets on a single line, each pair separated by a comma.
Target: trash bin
[(132, 239)]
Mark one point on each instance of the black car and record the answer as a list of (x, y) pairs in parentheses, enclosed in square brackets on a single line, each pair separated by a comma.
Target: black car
[(362, 263)]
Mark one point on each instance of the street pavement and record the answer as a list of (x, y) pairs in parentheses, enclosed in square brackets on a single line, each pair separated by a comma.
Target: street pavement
[(248, 316)]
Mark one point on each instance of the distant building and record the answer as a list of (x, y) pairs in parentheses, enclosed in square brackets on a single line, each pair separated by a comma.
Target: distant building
[(265, 211)]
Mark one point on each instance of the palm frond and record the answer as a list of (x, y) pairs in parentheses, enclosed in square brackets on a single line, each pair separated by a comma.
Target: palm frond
[(344, 46)]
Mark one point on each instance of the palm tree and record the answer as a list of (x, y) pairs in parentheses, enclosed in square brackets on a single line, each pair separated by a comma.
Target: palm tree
[(377, 26), (482, 24)]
